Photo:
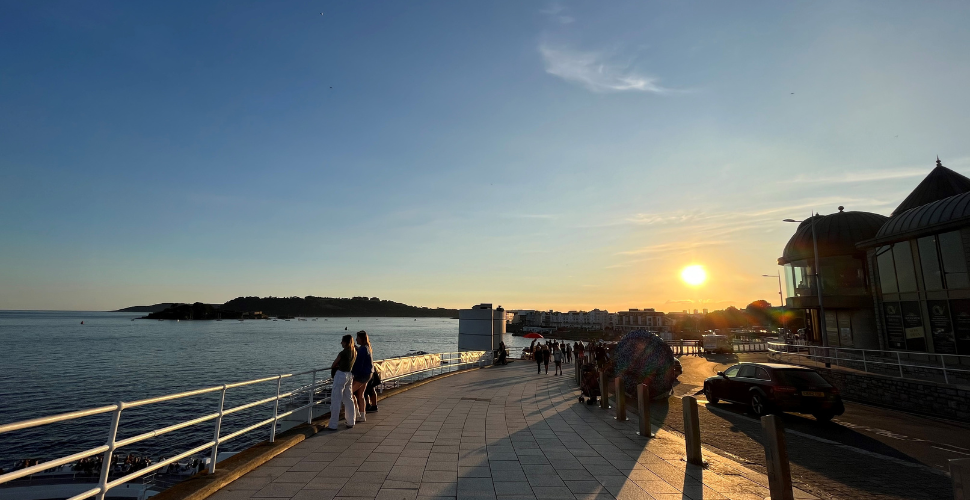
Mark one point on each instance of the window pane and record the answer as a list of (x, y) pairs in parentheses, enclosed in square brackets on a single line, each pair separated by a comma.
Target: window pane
[(747, 371), (887, 273), (732, 371), (905, 272), (762, 374), (954, 261), (789, 281), (932, 277)]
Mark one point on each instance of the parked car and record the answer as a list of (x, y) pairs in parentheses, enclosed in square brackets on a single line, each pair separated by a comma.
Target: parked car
[(772, 387)]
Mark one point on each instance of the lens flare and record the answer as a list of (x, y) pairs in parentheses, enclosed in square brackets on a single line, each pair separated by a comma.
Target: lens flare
[(694, 275)]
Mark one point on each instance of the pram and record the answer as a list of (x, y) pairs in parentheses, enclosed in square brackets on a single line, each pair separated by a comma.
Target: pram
[(589, 384)]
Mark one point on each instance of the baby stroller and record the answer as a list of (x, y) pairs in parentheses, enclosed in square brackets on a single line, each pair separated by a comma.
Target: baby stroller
[(590, 384)]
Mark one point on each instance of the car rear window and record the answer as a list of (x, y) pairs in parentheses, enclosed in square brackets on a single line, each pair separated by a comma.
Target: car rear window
[(801, 378)]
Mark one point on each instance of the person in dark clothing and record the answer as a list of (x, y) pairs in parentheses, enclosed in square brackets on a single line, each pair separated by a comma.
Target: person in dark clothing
[(537, 356), (502, 354), (362, 372), (569, 353), (546, 354)]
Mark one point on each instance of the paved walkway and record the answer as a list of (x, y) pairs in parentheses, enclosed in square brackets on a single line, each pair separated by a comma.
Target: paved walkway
[(501, 433)]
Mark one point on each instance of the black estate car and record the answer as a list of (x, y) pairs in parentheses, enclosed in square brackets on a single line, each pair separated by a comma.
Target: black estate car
[(770, 387)]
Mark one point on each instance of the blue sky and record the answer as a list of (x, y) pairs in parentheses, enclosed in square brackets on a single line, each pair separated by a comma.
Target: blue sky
[(533, 154)]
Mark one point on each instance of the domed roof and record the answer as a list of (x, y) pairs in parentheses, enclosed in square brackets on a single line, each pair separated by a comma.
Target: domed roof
[(837, 234), (940, 183), (931, 218)]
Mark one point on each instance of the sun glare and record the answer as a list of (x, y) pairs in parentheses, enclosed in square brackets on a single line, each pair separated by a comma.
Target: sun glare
[(694, 275)]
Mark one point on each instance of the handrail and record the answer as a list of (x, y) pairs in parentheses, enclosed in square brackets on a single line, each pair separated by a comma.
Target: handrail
[(804, 354), (445, 361)]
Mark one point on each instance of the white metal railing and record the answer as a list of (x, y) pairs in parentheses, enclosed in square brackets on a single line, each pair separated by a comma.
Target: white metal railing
[(449, 361), (951, 369)]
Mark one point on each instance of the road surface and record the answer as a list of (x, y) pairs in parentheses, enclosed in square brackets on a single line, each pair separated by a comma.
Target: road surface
[(868, 452)]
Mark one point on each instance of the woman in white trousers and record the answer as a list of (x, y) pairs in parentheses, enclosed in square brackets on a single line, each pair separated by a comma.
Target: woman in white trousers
[(342, 392)]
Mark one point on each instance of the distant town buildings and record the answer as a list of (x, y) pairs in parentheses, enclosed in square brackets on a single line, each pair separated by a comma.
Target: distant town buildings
[(597, 319)]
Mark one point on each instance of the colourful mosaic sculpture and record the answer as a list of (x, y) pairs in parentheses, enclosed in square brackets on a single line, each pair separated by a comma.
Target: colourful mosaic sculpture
[(644, 357)]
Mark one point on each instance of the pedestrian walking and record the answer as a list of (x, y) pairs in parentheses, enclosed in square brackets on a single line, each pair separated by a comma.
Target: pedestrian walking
[(342, 392), (569, 353), (362, 371), (537, 356), (557, 356), (546, 356)]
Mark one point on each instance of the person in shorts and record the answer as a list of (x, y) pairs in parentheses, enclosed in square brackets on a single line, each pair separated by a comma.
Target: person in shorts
[(362, 371)]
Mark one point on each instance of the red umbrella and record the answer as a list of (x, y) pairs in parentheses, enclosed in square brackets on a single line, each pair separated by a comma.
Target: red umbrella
[(532, 336)]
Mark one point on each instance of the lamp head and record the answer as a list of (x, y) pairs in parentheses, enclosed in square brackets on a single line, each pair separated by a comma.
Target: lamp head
[(790, 220)]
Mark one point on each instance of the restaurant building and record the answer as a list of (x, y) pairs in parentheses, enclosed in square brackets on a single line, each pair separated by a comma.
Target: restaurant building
[(897, 283)]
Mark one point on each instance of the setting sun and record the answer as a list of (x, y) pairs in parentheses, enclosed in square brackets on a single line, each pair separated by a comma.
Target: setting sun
[(693, 275)]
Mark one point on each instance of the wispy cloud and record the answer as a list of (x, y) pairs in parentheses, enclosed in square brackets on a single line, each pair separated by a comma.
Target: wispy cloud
[(558, 13), (597, 71)]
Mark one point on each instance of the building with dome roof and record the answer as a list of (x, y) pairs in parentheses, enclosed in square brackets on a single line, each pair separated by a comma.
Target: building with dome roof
[(898, 282), (846, 295), (921, 285)]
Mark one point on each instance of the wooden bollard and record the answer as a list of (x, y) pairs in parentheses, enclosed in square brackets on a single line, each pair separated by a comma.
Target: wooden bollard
[(620, 390), (960, 472), (692, 431), (776, 458), (604, 391), (643, 407)]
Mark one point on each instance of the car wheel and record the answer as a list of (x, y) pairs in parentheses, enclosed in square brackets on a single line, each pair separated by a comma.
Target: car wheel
[(758, 405), (823, 416), (709, 394)]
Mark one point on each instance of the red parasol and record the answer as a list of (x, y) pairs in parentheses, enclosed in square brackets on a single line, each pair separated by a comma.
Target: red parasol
[(533, 336)]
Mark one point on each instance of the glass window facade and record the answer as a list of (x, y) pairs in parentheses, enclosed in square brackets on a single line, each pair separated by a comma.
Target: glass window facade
[(931, 320)]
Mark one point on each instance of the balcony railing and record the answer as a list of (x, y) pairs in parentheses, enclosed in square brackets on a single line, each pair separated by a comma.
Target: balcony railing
[(949, 369), (285, 403)]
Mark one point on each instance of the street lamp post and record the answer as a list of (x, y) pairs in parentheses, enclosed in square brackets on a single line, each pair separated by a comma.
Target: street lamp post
[(818, 281), (781, 300)]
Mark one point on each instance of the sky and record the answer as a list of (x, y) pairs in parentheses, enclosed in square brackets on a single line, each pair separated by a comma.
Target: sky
[(541, 155)]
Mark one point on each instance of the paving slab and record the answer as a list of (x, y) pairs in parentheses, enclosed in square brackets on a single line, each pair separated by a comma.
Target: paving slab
[(502, 433)]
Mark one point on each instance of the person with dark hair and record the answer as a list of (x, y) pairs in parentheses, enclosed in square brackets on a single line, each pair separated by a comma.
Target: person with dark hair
[(362, 371), (546, 355), (342, 391), (537, 356), (569, 352), (370, 394)]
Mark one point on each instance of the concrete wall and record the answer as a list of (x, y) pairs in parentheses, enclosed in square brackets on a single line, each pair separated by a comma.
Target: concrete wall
[(927, 398)]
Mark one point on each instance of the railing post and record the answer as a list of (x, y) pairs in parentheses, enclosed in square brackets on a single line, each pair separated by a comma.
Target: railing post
[(960, 472), (643, 408), (604, 391), (218, 429), (692, 431), (776, 458), (620, 389), (313, 384), (865, 366), (106, 461), (276, 410), (900, 365), (946, 380)]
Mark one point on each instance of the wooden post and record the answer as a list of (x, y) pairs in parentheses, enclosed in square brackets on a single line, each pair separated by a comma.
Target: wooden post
[(643, 407), (692, 431), (776, 458), (960, 472), (604, 391), (620, 390)]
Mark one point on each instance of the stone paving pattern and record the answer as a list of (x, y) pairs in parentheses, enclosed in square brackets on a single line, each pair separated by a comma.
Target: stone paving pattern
[(497, 433)]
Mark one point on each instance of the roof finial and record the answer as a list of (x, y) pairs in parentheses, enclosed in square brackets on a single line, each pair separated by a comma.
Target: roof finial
[(841, 208), (938, 162)]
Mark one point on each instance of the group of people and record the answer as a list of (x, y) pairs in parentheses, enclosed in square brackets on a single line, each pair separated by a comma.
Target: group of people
[(355, 380), (557, 351)]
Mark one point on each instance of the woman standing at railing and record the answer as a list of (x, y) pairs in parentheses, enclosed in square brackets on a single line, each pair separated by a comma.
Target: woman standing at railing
[(363, 370), (342, 391)]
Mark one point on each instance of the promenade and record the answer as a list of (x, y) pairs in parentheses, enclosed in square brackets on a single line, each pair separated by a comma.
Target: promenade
[(496, 433)]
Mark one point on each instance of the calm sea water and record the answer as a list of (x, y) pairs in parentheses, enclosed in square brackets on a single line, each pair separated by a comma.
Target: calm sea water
[(51, 363)]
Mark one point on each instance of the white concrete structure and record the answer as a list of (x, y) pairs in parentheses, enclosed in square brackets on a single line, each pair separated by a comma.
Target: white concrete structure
[(480, 328)]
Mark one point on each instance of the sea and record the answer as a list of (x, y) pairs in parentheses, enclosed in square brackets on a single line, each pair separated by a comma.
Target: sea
[(58, 361)]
